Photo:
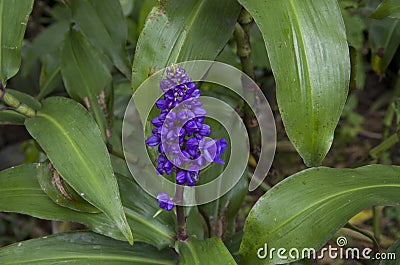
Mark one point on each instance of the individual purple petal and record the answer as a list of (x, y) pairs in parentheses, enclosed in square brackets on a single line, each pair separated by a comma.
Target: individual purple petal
[(218, 160), (185, 154), (161, 148), (208, 148), (153, 140), (205, 130), (192, 152), (157, 122), (168, 167), (181, 176), (191, 127), (221, 146), (192, 143), (199, 111), (165, 201), (191, 85), (162, 104), (192, 177)]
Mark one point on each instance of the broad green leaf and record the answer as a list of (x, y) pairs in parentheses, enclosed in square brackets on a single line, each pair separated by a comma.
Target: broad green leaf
[(59, 191), (83, 248), (388, 8), (309, 57), (73, 143), (394, 252), (14, 16), (178, 31), (86, 77), (20, 192), (210, 251), (103, 23), (317, 199)]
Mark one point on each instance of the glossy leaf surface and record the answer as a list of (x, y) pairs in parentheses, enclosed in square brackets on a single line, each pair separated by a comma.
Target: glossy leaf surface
[(178, 31), (309, 57), (83, 248), (14, 16), (288, 215), (73, 144)]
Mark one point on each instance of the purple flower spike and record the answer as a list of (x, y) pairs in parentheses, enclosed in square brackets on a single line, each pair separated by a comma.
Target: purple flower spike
[(183, 132), (165, 201)]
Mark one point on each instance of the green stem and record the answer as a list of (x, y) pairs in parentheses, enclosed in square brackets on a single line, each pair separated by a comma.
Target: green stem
[(388, 119), (180, 214), (376, 221), (17, 105), (242, 37), (363, 232), (385, 145)]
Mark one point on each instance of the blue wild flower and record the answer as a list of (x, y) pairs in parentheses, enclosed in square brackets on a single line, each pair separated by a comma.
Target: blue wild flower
[(180, 133)]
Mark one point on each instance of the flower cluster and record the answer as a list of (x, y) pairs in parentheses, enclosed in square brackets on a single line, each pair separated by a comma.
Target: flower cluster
[(180, 134)]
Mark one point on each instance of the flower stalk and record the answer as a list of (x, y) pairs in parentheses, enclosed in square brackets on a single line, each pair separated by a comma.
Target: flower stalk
[(15, 104), (242, 37)]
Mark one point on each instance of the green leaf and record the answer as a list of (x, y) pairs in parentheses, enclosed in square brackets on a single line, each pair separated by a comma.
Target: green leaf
[(59, 191), (178, 31), (388, 8), (50, 75), (83, 248), (103, 23), (221, 213), (384, 38), (20, 192), (140, 208), (86, 77), (210, 251), (73, 143), (14, 17), (309, 56), (317, 199), (127, 6), (11, 117), (49, 41), (394, 249)]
